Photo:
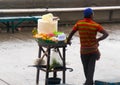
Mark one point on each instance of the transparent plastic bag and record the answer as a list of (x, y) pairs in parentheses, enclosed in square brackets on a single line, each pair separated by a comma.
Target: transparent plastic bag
[(55, 60)]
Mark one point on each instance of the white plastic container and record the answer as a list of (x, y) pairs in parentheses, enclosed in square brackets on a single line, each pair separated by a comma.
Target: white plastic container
[(47, 27), (48, 24)]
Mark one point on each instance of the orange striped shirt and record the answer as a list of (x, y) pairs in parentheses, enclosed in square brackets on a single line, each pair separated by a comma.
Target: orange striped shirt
[(88, 29)]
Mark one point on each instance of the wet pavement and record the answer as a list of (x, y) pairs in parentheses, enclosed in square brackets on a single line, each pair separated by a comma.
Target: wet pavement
[(19, 50)]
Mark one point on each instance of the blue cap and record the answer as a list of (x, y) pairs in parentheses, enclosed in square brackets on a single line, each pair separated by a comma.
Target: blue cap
[(88, 12)]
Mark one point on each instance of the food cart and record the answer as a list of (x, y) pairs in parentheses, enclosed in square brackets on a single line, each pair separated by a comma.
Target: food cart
[(49, 38), (45, 50)]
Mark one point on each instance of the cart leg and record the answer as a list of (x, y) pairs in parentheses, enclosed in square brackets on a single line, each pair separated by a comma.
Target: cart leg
[(48, 64), (37, 76), (55, 74), (64, 65), (38, 71)]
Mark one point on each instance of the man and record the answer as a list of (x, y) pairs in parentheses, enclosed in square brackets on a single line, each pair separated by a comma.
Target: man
[(88, 30)]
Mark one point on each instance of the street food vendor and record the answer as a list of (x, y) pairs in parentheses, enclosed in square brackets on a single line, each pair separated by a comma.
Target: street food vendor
[(89, 51)]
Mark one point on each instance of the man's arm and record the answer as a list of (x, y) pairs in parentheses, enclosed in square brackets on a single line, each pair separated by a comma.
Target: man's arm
[(70, 36), (105, 35)]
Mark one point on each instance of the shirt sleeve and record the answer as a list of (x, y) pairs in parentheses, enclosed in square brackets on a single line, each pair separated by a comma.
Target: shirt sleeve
[(100, 28), (75, 27)]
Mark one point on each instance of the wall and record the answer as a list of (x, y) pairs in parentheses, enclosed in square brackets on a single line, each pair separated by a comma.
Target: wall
[(55, 3)]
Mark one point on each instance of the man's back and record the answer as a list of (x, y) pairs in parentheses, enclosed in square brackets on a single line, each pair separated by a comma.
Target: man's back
[(88, 29)]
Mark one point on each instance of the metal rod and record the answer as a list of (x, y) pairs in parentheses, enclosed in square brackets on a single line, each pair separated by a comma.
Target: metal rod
[(56, 9)]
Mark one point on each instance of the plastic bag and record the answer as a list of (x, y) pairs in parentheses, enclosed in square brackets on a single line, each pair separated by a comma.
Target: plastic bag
[(55, 60)]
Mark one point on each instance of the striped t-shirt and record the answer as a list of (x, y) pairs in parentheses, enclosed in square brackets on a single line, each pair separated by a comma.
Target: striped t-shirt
[(88, 29)]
